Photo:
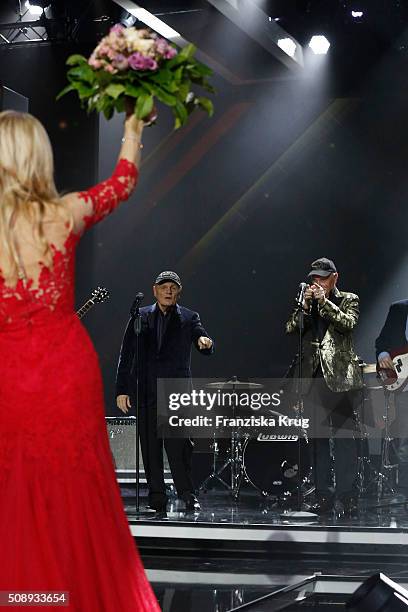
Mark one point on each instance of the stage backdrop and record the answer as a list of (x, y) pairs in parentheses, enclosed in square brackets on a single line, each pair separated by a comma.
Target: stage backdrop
[(239, 205)]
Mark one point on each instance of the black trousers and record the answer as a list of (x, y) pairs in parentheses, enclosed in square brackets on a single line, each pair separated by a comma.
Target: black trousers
[(332, 422), (179, 452)]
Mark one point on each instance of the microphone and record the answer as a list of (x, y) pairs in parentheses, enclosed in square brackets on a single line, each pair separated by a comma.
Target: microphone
[(301, 294), (136, 303)]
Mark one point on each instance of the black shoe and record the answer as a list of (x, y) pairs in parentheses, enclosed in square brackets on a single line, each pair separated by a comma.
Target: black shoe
[(156, 507), (323, 504), (160, 514), (192, 503)]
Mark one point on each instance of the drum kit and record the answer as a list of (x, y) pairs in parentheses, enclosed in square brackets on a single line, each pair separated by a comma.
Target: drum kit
[(273, 472), (282, 470)]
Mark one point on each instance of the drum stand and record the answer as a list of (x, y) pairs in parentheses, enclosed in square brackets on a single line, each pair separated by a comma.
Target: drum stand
[(216, 473), (363, 457), (385, 472), (386, 466), (234, 461), (384, 475)]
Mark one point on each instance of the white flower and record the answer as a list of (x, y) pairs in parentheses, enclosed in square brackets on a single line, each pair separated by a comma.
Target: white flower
[(136, 43)]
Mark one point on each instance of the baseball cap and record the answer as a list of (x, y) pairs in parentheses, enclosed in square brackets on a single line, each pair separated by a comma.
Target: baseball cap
[(322, 267), (166, 277)]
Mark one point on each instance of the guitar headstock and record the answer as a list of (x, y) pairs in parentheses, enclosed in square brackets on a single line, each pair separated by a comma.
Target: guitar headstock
[(100, 294)]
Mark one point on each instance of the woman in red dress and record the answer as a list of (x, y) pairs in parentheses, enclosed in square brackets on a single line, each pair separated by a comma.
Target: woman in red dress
[(62, 523)]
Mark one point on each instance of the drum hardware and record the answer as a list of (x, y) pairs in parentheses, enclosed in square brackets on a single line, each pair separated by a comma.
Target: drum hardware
[(216, 473), (386, 467), (380, 479), (235, 459), (364, 464)]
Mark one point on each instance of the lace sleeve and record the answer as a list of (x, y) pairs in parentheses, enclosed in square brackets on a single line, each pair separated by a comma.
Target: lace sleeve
[(94, 204)]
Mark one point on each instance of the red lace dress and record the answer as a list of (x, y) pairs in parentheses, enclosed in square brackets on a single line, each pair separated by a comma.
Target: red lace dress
[(62, 523)]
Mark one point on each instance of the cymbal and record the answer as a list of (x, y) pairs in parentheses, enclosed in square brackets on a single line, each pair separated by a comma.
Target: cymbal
[(234, 384)]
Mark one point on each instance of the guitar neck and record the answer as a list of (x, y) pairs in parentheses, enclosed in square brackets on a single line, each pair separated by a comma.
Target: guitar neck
[(85, 308)]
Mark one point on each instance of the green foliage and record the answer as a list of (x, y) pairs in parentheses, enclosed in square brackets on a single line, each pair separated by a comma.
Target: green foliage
[(173, 84)]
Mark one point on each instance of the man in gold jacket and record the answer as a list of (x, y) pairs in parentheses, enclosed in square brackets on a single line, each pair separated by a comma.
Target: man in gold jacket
[(331, 382)]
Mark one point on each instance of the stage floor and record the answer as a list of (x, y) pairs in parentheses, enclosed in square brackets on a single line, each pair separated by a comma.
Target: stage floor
[(247, 555), (255, 526)]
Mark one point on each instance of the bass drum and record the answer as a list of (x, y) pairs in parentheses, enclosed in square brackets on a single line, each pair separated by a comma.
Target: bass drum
[(271, 463)]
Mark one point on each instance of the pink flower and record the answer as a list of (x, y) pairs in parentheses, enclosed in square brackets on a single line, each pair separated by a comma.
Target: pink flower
[(95, 63), (171, 52), (161, 46), (111, 54), (117, 28), (109, 68), (120, 62), (102, 49), (150, 64), (137, 61), (164, 49)]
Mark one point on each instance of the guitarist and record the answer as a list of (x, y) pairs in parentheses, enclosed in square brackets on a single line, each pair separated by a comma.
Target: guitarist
[(394, 335)]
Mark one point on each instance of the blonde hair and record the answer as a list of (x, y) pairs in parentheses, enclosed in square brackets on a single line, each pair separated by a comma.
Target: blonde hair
[(26, 176)]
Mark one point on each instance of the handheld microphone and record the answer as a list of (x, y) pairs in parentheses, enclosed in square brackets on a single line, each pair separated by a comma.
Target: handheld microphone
[(301, 294)]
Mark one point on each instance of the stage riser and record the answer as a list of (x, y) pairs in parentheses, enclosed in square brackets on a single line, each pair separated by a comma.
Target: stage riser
[(272, 550)]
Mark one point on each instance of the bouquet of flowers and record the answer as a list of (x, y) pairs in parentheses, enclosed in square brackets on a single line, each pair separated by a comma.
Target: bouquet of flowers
[(135, 66)]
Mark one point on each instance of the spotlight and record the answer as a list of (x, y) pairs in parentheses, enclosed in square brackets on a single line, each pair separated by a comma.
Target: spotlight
[(357, 14), (288, 46), (319, 45), (129, 20), (36, 7), (379, 594)]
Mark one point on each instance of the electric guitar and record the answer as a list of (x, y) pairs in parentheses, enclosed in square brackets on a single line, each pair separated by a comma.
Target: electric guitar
[(395, 380), (99, 295)]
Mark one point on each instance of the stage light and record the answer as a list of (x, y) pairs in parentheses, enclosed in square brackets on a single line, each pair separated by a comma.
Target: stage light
[(357, 14), (379, 594), (288, 46), (37, 7), (154, 22), (34, 9), (129, 20), (319, 45)]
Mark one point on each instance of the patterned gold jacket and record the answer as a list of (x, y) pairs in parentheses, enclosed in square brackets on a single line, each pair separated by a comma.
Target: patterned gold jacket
[(335, 352)]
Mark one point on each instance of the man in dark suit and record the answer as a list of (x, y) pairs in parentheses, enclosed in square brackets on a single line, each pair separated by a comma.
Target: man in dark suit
[(394, 335), (168, 332)]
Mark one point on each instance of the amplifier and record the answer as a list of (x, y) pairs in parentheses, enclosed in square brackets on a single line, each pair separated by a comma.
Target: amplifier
[(122, 439)]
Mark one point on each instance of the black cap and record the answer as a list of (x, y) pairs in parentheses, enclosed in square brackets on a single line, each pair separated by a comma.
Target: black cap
[(168, 277), (322, 267)]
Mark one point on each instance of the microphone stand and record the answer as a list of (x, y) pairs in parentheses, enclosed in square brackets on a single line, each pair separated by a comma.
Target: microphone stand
[(299, 514), (137, 326)]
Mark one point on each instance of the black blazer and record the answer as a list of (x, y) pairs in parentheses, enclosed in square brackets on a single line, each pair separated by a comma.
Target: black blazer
[(172, 361), (392, 335)]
